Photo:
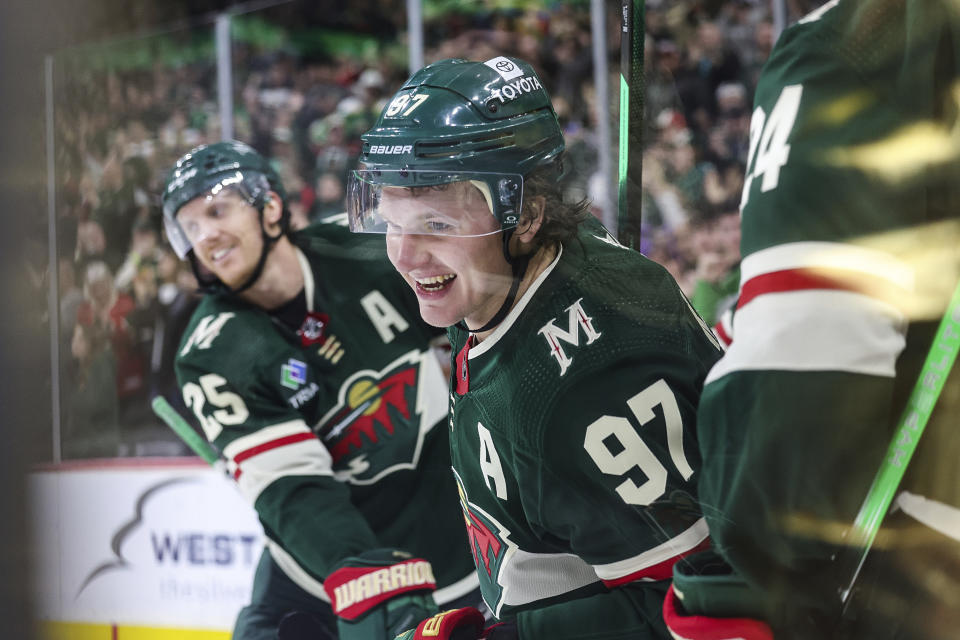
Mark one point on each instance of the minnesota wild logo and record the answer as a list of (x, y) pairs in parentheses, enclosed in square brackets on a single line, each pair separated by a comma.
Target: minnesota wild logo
[(491, 547), (379, 422)]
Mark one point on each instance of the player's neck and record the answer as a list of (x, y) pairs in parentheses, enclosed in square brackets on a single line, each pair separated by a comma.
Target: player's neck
[(539, 261), (281, 279)]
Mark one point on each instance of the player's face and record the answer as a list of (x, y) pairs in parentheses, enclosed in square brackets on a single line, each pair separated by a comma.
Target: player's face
[(456, 277), (225, 233)]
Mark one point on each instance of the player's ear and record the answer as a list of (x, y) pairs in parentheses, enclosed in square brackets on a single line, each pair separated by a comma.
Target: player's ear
[(272, 211), (530, 221)]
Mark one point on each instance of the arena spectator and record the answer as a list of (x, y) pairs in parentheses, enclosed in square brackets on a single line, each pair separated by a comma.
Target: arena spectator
[(117, 125), (716, 244), (108, 309), (177, 297), (90, 419)]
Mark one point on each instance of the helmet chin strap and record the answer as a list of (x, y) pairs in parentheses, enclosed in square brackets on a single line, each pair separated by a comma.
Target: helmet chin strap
[(519, 267), (268, 242)]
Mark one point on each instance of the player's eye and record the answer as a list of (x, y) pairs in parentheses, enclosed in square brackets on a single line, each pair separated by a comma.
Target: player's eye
[(436, 226)]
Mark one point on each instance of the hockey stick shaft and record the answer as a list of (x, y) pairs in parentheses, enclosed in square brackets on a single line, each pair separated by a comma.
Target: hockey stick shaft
[(631, 122), (913, 420), (175, 421)]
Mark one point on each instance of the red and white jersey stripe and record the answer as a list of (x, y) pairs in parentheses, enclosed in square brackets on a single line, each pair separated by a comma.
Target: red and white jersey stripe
[(287, 448), (723, 328), (656, 563), (819, 306)]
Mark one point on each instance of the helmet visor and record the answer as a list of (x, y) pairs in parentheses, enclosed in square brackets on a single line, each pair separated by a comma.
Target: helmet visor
[(465, 204), (178, 239), (219, 198)]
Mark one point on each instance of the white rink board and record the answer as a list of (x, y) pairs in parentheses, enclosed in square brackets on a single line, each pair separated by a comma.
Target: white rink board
[(162, 544)]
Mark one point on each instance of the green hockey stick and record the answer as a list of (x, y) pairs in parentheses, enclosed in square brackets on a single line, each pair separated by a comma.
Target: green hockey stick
[(916, 414), (175, 421), (631, 122)]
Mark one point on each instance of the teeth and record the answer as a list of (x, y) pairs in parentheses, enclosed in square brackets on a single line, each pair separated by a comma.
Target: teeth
[(436, 279), (435, 283), (219, 253)]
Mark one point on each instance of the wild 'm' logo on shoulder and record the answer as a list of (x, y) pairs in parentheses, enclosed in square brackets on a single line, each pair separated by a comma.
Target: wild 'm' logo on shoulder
[(577, 320), (206, 331)]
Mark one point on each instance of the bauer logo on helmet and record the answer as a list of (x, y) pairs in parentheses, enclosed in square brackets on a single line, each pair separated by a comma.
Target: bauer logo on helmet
[(389, 150)]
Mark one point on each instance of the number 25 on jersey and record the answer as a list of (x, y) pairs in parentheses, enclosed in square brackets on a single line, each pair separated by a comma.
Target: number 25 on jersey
[(230, 407)]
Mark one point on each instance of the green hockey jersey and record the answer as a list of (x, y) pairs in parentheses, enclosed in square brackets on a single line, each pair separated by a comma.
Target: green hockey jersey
[(573, 443), (335, 431), (849, 238)]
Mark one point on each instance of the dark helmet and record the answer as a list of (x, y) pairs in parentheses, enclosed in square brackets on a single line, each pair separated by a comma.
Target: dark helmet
[(490, 123), (211, 167)]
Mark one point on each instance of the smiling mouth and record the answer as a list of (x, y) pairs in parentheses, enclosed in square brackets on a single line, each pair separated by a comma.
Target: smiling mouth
[(434, 283), (218, 255)]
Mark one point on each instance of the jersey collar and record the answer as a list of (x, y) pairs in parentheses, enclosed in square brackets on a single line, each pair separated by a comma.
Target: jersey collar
[(308, 284), (518, 308)]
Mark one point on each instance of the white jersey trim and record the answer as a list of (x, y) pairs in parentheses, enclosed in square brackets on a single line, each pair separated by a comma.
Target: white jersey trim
[(518, 308), (295, 572), (264, 435), (529, 577), (724, 329), (308, 285), (828, 255), (936, 515), (814, 330), (302, 457), (458, 589), (689, 539)]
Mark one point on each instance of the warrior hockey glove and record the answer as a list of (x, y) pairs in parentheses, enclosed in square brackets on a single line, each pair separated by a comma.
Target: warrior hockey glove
[(379, 593), (460, 624)]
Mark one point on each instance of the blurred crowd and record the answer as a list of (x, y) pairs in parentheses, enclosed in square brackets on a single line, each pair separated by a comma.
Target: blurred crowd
[(125, 297)]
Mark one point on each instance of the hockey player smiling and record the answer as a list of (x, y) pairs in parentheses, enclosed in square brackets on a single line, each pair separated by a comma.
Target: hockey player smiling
[(307, 366), (456, 267), (559, 333)]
